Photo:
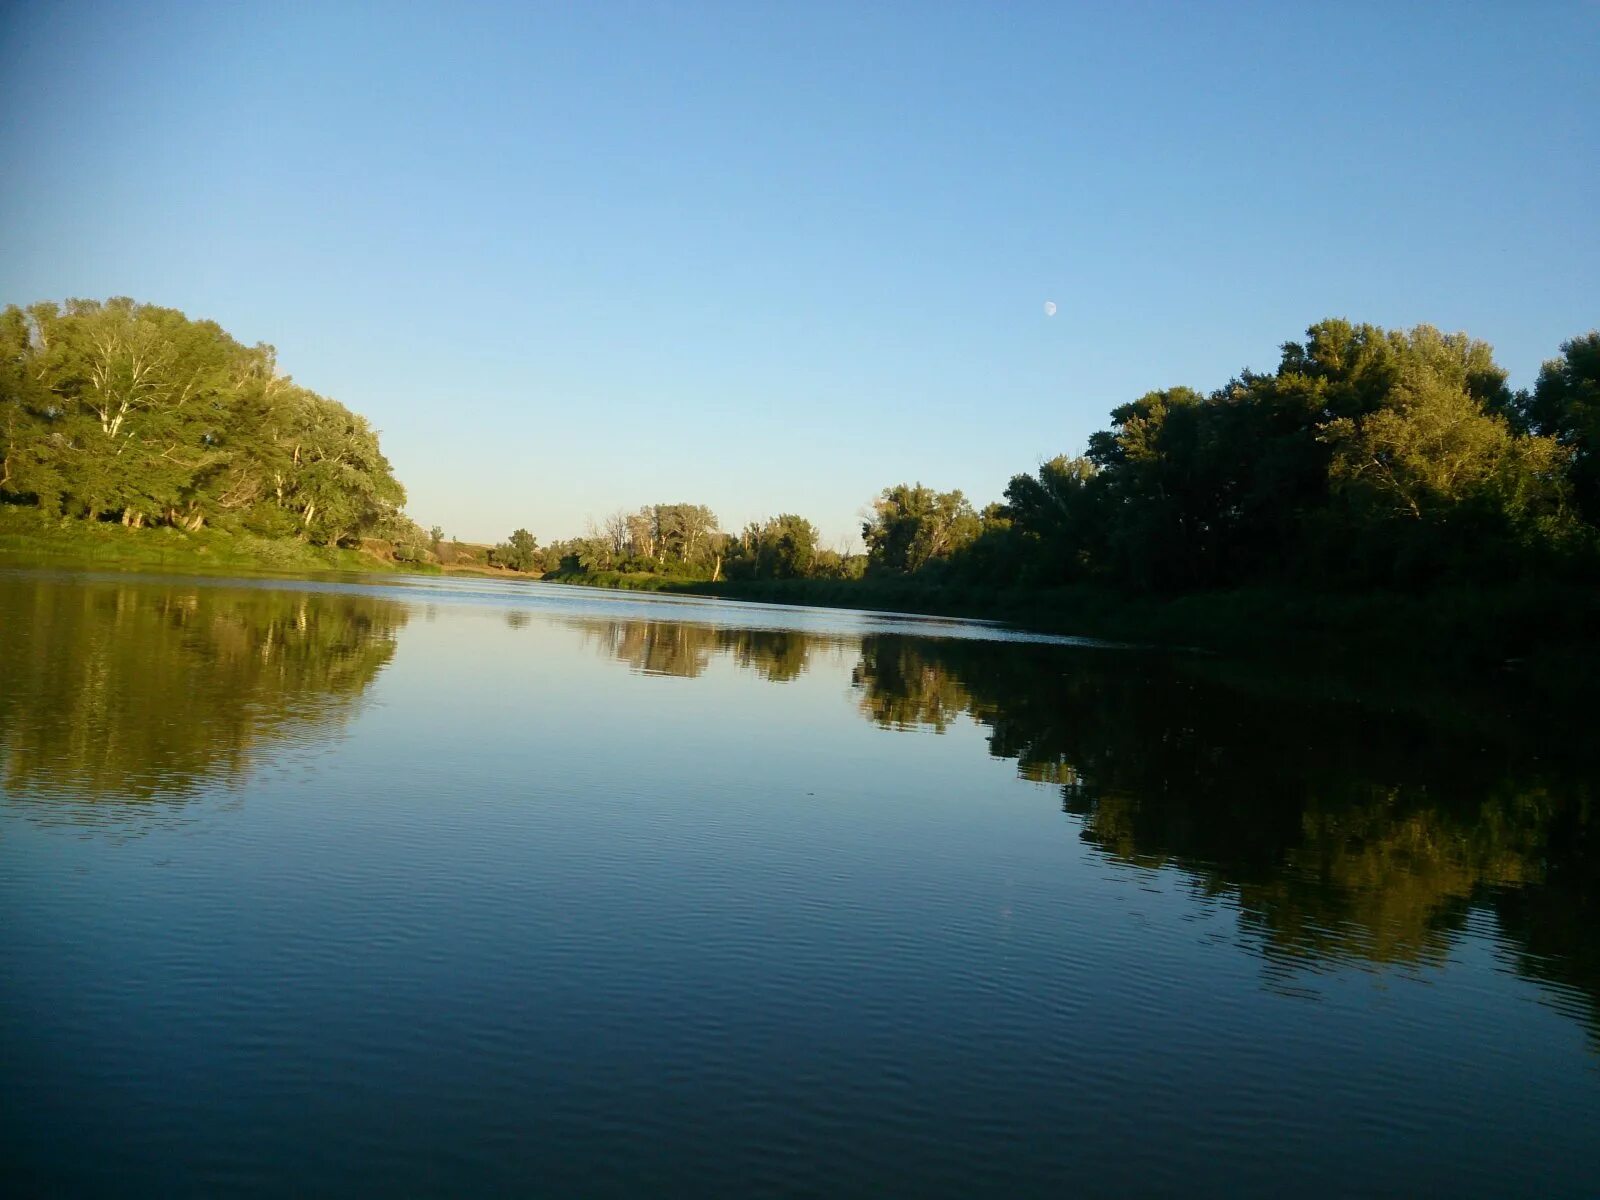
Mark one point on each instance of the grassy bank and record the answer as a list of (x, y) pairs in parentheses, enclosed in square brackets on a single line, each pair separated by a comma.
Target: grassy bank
[(1557, 628), (28, 539)]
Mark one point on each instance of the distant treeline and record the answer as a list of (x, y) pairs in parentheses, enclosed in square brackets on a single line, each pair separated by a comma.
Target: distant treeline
[(122, 411), (1369, 458), (682, 541)]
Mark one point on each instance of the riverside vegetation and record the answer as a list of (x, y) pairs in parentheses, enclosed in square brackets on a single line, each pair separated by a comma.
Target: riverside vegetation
[(1380, 486), (1378, 483), (118, 413)]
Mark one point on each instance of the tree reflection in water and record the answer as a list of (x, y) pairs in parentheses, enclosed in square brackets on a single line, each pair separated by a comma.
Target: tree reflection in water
[(1341, 831), (137, 692), (684, 650)]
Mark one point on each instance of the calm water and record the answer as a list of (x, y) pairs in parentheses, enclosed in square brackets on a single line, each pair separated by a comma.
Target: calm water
[(459, 887)]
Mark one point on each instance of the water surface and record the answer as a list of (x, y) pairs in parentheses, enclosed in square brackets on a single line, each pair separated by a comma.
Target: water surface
[(456, 886)]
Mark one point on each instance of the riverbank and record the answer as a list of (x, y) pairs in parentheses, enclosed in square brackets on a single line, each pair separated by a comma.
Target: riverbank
[(26, 537), (1546, 636), (1548, 631)]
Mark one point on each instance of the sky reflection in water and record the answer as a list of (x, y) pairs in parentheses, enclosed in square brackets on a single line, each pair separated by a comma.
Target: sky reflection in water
[(539, 887)]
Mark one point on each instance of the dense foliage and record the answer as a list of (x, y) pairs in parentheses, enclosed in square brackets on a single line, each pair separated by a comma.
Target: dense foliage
[(1369, 458), (124, 411)]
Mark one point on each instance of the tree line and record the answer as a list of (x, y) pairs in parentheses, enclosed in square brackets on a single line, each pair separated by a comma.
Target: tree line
[(683, 541), (115, 410), (1368, 457)]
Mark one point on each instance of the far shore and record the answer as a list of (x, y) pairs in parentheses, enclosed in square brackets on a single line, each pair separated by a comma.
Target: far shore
[(1533, 635)]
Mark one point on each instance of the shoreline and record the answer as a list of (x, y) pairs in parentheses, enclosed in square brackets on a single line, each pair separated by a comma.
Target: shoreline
[(1545, 635)]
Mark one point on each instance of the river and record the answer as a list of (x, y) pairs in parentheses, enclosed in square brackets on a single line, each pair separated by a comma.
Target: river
[(445, 886)]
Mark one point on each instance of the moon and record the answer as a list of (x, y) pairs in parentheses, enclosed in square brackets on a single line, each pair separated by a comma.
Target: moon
[(1049, 308)]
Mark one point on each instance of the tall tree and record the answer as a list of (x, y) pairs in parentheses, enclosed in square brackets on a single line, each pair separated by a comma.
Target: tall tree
[(912, 525), (136, 411), (1565, 405)]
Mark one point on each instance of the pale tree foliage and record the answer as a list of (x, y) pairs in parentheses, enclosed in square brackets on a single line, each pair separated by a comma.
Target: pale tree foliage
[(663, 533), (131, 409), (684, 531), (616, 534), (912, 525), (642, 533), (1433, 446), (782, 547)]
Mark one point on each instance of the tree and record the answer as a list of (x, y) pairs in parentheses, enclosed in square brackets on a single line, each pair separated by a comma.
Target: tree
[(1438, 450), (912, 525), (1162, 498), (1565, 405), (616, 532), (643, 534), (685, 531), (786, 546), (135, 411), (1303, 471), (520, 552), (1445, 484), (1055, 515)]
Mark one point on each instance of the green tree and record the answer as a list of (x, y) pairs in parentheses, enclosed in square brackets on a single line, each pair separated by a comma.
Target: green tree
[(1055, 518), (1565, 405), (1159, 489), (912, 525), (1305, 472), (520, 552), (1436, 473), (130, 410), (788, 545)]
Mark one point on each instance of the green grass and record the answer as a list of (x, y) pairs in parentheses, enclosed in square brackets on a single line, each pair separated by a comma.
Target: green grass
[(27, 538)]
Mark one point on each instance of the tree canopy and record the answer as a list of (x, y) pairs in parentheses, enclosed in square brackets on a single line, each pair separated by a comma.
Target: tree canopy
[(1368, 457), (119, 410)]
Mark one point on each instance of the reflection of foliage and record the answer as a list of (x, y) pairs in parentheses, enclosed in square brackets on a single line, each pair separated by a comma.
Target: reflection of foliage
[(142, 691), (1340, 831), (775, 654), (676, 648), (1554, 926), (1386, 881), (900, 689), (655, 647)]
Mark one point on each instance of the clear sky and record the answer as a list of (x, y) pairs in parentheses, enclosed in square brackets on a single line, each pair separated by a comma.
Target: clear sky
[(773, 258)]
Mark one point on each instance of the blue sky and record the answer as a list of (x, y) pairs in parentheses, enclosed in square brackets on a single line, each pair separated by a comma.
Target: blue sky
[(773, 258)]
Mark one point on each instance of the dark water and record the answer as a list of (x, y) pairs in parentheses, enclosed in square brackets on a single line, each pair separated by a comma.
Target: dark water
[(456, 888)]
